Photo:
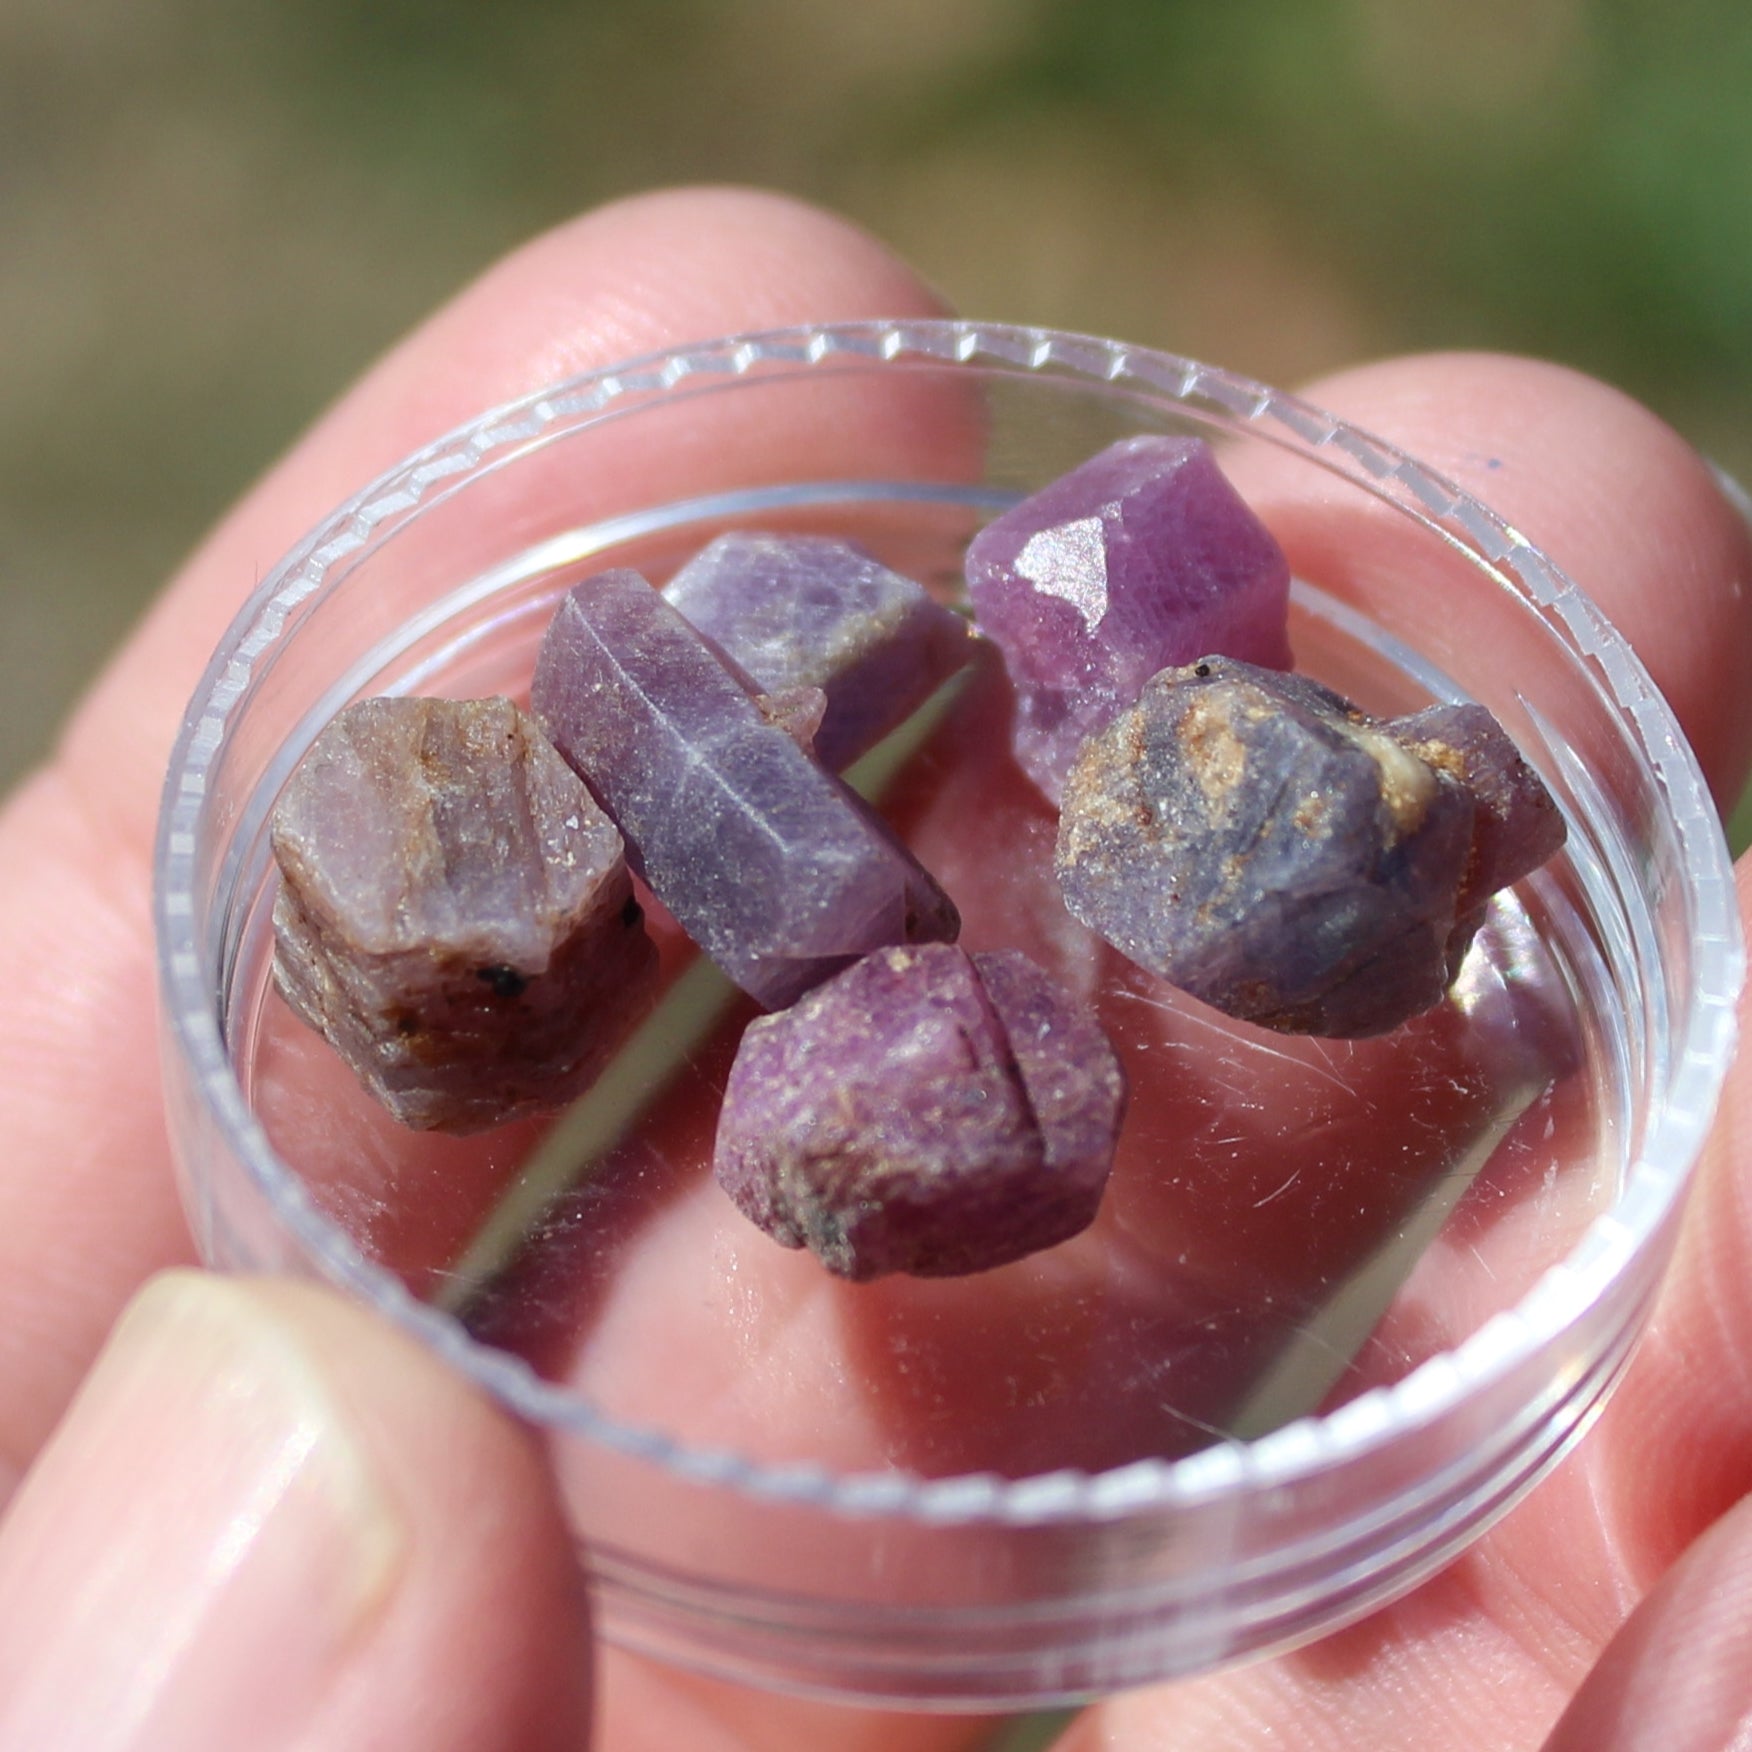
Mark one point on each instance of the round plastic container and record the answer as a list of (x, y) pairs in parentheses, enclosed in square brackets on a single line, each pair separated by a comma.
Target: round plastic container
[(1345, 1301)]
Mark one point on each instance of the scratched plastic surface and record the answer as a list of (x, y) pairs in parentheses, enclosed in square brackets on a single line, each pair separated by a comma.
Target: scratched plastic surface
[(1289, 1220)]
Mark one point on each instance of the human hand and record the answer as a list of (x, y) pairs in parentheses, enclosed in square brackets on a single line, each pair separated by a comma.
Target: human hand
[(234, 1538)]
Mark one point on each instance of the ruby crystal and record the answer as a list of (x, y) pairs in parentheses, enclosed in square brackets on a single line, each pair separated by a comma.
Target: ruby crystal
[(1142, 558), (778, 871), (455, 913), (1516, 826), (808, 611), (926, 1111), (1259, 842)]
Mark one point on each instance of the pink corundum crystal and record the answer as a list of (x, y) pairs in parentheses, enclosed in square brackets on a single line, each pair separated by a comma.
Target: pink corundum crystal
[(777, 871), (1142, 558), (927, 1111), (808, 611)]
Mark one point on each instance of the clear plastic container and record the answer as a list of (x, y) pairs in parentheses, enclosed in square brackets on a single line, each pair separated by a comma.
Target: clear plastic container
[(1345, 1301)]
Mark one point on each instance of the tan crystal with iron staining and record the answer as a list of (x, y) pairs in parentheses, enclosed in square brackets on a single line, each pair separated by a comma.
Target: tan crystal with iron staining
[(455, 916)]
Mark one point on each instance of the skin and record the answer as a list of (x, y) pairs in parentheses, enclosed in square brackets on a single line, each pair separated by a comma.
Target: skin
[(327, 1586)]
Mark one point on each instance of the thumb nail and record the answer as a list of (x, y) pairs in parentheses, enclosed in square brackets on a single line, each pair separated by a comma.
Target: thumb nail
[(200, 1546)]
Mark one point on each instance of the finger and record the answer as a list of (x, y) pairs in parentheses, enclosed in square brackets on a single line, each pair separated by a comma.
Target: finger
[(1677, 1449), (86, 1206), (270, 1521), (638, 275), (1487, 1653), (1617, 498), (646, 1707), (1676, 1678)]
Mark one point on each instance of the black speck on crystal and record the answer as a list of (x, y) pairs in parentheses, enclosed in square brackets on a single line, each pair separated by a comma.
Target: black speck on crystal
[(504, 982)]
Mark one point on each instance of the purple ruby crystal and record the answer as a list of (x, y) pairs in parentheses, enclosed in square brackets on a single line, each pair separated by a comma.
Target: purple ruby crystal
[(1517, 825), (779, 872), (926, 1111), (455, 914), (1142, 558), (808, 611), (1259, 842)]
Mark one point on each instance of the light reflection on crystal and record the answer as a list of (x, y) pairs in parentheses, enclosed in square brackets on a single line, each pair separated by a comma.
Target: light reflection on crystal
[(1070, 562)]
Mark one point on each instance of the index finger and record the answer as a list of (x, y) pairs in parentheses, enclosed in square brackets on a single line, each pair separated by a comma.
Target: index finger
[(87, 1204)]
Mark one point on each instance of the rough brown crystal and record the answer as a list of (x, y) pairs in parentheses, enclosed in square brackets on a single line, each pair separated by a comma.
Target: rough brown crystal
[(1261, 843), (455, 913), (926, 1111)]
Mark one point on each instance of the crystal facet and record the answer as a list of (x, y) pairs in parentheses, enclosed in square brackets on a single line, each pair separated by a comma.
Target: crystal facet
[(1141, 558), (1259, 842), (1517, 825), (775, 869), (926, 1111), (808, 611), (455, 914)]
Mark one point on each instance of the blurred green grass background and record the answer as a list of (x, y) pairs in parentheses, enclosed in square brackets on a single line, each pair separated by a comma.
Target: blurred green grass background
[(213, 213)]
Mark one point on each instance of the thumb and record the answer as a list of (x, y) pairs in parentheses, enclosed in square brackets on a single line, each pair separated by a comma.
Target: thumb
[(268, 1520)]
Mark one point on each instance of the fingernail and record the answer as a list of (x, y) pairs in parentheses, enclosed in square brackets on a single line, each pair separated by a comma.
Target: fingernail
[(201, 1545)]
